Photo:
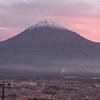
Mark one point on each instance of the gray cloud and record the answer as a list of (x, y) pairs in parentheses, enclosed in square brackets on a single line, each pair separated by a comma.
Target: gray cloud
[(20, 13), (58, 7)]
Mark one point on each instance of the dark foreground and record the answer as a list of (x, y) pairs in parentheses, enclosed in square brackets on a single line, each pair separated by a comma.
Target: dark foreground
[(62, 88)]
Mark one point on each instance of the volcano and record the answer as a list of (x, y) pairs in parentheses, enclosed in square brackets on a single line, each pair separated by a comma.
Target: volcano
[(48, 44), (47, 38)]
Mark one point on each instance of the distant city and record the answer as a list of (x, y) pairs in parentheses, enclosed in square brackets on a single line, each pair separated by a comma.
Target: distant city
[(70, 88)]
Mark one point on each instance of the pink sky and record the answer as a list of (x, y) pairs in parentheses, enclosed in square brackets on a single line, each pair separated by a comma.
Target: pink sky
[(81, 16)]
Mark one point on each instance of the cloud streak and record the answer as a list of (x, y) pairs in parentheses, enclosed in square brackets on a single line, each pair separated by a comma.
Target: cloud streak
[(58, 7), (5, 34)]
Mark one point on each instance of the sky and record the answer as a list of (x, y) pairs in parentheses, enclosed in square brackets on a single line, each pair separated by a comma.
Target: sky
[(81, 16)]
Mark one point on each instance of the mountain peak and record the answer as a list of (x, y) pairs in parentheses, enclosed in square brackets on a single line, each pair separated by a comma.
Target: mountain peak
[(46, 23)]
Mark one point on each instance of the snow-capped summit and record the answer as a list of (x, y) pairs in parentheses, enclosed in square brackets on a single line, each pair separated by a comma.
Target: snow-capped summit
[(46, 23)]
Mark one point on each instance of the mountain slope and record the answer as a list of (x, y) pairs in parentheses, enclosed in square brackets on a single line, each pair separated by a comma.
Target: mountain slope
[(47, 38), (48, 46)]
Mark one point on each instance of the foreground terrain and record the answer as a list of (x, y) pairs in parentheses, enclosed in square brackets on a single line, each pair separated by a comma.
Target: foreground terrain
[(64, 88)]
